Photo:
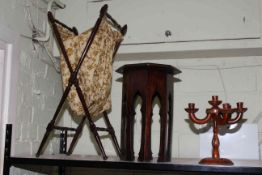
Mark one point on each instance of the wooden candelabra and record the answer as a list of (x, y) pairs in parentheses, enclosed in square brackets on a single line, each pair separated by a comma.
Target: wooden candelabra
[(218, 116)]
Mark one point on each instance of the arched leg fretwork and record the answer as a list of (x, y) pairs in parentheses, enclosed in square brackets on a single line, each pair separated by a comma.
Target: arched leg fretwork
[(148, 79)]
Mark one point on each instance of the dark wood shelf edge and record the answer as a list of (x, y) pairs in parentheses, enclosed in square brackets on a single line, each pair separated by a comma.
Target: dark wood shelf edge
[(177, 165), (126, 165)]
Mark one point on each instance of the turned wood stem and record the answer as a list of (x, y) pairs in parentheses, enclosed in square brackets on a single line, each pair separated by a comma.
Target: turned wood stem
[(215, 141)]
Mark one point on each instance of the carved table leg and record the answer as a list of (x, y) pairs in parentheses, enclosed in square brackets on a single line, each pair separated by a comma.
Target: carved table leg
[(127, 128), (163, 129), (145, 153), (170, 126)]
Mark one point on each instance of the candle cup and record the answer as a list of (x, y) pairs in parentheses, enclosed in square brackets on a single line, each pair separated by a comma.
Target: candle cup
[(215, 98), (226, 106), (191, 105)]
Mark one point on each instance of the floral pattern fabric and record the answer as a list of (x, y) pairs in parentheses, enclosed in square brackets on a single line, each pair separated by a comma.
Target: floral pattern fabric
[(95, 75)]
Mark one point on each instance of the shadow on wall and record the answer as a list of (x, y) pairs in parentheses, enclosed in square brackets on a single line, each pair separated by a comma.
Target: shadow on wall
[(224, 129), (257, 120)]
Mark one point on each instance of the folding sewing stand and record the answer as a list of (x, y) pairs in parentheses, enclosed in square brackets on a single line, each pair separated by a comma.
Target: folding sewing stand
[(74, 81)]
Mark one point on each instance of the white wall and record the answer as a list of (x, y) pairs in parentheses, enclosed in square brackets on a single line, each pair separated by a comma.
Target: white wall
[(38, 85), (234, 78), (230, 69)]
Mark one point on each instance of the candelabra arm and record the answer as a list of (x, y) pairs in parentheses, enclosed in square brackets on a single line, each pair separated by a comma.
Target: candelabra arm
[(236, 119), (205, 120)]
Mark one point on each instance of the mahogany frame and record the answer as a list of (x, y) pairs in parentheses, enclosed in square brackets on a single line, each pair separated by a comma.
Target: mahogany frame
[(74, 81)]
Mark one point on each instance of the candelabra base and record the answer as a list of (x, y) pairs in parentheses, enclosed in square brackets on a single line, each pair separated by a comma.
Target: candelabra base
[(213, 161)]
